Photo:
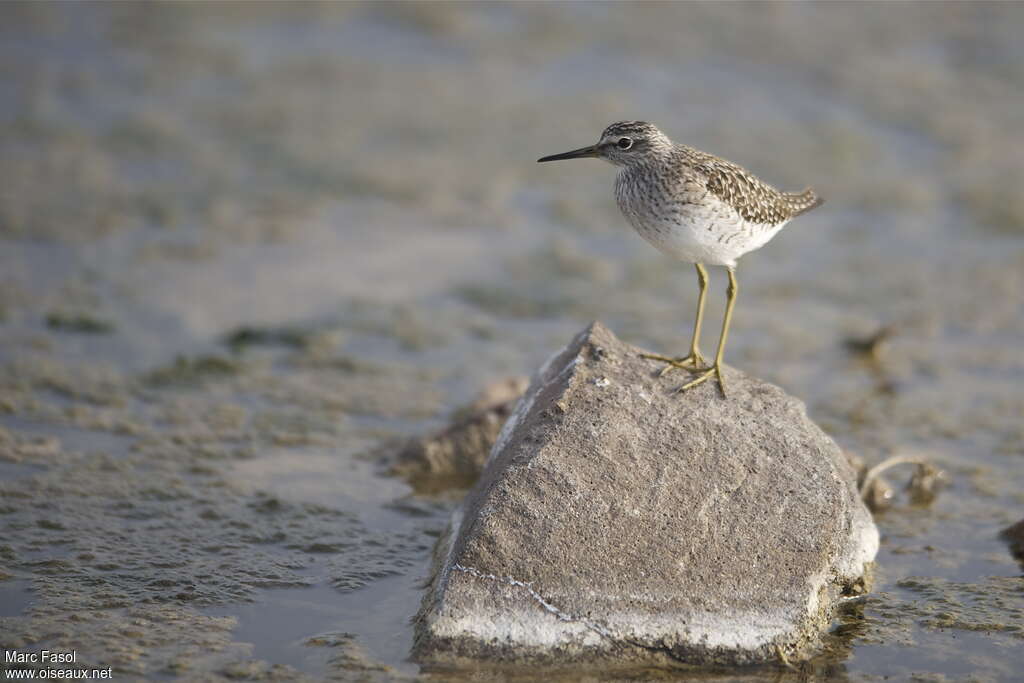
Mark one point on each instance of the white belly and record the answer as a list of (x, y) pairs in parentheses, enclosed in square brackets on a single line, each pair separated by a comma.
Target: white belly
[(710, 232)]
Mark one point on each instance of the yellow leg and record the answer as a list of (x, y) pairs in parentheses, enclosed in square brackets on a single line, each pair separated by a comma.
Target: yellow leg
[(695, 358), (716, 370)]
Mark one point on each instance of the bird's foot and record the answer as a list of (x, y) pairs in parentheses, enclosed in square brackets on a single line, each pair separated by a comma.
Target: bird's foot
[(693, 362), (715, 371)]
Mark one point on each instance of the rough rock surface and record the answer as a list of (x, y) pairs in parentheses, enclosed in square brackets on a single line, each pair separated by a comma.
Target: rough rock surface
[(617, 521)]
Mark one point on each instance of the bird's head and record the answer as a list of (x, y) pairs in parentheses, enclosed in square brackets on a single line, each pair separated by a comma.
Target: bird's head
[(623, 144)]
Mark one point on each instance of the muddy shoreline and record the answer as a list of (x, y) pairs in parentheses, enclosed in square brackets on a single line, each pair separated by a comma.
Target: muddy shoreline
[(242, 246)]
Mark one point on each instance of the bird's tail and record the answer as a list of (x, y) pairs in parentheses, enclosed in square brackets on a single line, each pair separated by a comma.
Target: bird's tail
[(802, 202)]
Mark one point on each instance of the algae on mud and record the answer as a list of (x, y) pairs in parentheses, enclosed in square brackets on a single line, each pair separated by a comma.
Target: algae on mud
[(363, 175)]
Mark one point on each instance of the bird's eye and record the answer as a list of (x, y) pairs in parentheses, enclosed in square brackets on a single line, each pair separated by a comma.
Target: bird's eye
[(625, 143)]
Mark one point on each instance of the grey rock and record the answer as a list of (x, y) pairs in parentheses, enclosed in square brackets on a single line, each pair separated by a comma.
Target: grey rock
[(618, 522), (454, 457)]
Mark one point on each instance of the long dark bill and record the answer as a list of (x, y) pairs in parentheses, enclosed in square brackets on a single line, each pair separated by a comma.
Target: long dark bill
[(580, 153)]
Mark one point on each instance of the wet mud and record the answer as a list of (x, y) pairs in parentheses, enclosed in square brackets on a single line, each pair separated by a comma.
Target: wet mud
[(244, 245)]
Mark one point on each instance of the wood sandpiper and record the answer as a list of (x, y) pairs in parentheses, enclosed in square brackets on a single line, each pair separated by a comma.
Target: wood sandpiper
[(696, 207)]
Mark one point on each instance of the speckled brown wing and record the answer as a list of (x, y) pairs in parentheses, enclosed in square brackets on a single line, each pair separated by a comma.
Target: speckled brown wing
[(755, 200)]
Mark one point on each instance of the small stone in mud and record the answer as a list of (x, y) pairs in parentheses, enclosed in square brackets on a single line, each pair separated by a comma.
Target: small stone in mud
[(1014, 536), (454, 457), (871, 346), (878, 494), (923, 487), (925, 484)]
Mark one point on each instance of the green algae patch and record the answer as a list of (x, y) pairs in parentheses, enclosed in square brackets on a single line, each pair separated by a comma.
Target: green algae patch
[(994, 604), (78, 322), (186, 370), (243, 337), (347, 654)]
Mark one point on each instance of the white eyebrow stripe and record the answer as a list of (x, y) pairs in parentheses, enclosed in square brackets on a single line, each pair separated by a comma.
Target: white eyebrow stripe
[(613, 139)]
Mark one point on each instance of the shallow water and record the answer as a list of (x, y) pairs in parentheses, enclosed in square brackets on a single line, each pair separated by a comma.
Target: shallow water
[(350, 191)]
